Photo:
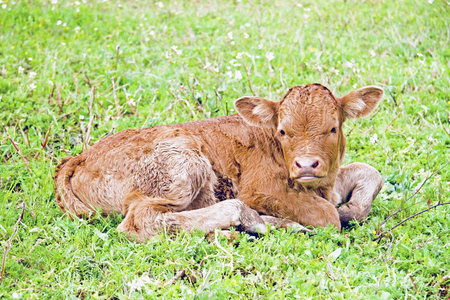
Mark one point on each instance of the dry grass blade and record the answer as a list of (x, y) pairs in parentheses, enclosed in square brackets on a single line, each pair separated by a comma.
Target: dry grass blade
[(174, 278), (8, 244), (17, 149)]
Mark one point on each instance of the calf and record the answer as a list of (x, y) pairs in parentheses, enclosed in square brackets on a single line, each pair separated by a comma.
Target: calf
[(270, 162)]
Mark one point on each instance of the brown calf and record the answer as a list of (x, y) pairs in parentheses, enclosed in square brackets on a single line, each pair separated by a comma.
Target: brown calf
[(278, 159)]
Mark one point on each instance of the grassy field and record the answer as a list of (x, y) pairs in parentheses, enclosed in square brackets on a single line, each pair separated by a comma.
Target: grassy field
[(72, 72)]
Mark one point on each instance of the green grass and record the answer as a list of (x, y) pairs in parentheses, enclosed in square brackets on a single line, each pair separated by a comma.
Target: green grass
[(52, 57)]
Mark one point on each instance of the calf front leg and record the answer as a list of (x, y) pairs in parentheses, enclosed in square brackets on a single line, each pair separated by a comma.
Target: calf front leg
[(357, 184)]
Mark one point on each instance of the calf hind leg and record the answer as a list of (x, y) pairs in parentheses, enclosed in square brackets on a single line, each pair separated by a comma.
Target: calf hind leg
[(174, 188), (146, 216), (357, 184)]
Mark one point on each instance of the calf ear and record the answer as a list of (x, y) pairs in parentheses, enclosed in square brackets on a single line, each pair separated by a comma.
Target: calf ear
[(257, 111), (361, 102)]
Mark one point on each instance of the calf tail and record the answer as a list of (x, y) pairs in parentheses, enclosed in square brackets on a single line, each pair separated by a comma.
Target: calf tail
[(66, 199)]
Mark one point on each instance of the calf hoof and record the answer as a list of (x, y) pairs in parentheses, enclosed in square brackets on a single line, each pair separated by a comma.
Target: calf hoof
[(346, 215), (251, 221)]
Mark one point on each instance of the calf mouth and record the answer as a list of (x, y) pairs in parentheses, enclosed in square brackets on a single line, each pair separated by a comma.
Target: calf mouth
[(307, 178)]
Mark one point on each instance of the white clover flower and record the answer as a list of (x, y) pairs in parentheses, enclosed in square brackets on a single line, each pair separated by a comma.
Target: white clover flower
[(230, 35), (306, 16), (307, 9), (54, 1), (229, 74), (32, 86), (137, 284), (238, 75), (175, 48), (270, 56), (4, 6), (246, 36), (81, 117), (59, 22), (207, 65), (247, 24), (373, 53), (30, 58), (232, 43), (319, 68), (430, 1), (260, 46), (16, 295), (32, 74), (239, 55), (348, 64), (355, 86), (374, 139), (300, 5), (419, 54), (20, 70), (160, 4), (152, 33)]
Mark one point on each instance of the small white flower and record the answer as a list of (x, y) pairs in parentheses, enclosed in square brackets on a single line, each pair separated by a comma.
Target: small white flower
[(95, 29), (319, 68), (77, 3), (232, 43), (30, 58), (16, 295), (374, 139), (32, 74), (373, 53), (4, 6), (160, 4), (247, 24), (207, 65), (260, 46), (65, 24), (239, 55), (300, 5), (152, 33), (175, 48), (230, 35), (430, 1), (238, 75), (77, 29), (20, 70), (59, 22), (355, 86), (419, 54), (246, 36), (270, 56), (229, 74), (54, 1), (348, 64), (63, 44), (307, 9), (32, 86), (81, 117)]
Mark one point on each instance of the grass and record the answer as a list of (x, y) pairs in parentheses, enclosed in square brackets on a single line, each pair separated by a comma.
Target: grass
[(179, 61)]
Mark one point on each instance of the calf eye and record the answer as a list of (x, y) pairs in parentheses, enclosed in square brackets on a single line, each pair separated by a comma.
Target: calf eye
[(333, 130), (282, 132)]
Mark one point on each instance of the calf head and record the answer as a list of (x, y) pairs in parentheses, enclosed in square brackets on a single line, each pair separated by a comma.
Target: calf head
[(307, 122)]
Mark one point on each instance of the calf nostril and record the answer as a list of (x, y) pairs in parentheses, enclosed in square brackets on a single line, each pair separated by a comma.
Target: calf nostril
[(315, 164), (298, 165)]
